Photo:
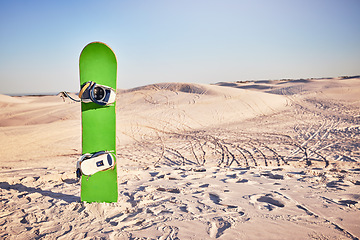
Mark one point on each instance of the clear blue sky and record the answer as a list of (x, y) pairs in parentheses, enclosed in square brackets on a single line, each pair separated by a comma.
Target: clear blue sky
[(200, 41)]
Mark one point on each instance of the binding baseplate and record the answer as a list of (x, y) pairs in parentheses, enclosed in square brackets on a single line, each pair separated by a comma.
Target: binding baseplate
[(99, 94), (90, 164)]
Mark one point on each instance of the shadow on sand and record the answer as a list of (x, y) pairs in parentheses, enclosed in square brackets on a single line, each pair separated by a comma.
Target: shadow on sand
[(22, 188)]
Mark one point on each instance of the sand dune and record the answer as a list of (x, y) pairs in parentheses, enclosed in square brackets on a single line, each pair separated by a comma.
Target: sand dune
[(245, 160), (183, 107)]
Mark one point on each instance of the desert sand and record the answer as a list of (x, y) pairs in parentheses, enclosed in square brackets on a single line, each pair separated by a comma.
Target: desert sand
[(235, 160)]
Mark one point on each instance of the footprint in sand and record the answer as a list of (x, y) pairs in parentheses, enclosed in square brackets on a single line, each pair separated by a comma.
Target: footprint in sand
[(217, 227), (348, 203), (169, 232), (217, 200), (342, 202), (268, 201), (214, 198)]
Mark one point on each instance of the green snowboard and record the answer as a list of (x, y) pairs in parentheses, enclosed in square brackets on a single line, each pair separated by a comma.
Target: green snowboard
[(98, 64)]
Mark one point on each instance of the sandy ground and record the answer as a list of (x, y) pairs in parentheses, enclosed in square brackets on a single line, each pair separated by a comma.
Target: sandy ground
[(245, 160)]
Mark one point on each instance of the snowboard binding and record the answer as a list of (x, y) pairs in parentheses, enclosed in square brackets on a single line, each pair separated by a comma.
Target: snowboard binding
[(90, 164), (99, 94)]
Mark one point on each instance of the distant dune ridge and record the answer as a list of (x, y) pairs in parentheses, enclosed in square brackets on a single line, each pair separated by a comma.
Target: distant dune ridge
[(272, 159)]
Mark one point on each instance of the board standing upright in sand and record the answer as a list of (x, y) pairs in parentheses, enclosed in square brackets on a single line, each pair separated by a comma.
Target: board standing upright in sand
[(97, 166)]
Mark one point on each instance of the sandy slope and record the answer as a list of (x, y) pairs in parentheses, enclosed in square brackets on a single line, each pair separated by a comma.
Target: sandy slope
[(265, 160)]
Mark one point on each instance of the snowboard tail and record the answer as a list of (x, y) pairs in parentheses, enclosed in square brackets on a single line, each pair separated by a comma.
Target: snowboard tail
[(98, 64)]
